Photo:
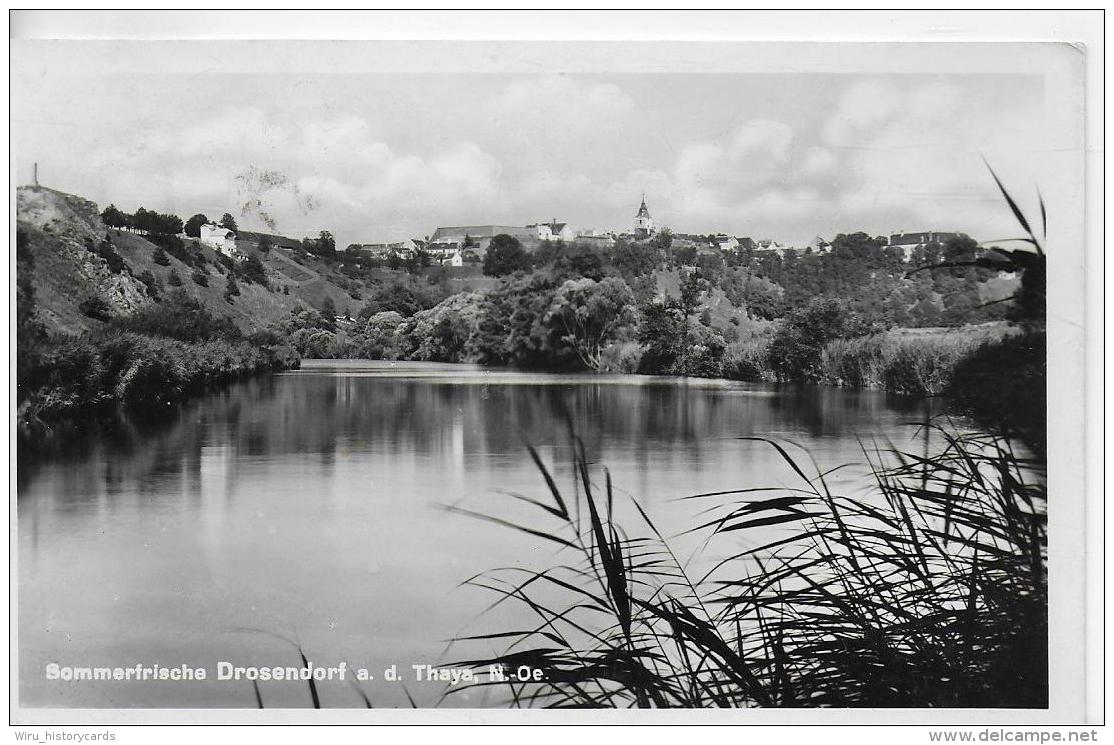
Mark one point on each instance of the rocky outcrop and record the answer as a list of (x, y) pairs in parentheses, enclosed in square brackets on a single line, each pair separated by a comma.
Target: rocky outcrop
[(58, 213), (68, 226)]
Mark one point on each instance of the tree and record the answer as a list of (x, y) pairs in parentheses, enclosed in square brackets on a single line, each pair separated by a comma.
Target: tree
[(254, 271), (691, 288), (579, 260), (798, 344), (170, 224), (505, 255), (141, 220), (200, 277), (113, 217), (232, 289), (662, 332), (662, 241), (684, 255), (266, 244), (588, 314), (173, 279), (193, 225), (326, 244), (634, 259), (229, 222), (675, 346), (329, 308)]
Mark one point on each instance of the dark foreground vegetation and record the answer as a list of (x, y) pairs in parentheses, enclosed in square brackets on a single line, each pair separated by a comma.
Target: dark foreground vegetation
[(930, 591)]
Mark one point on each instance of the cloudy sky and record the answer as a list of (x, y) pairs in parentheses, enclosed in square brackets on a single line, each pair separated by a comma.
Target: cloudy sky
[(377, 157)]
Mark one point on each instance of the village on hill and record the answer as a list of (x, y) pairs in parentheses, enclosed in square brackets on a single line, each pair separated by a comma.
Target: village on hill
[(460, 245)]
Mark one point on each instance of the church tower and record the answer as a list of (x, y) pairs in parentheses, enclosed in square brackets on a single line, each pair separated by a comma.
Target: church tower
[(643, 223)]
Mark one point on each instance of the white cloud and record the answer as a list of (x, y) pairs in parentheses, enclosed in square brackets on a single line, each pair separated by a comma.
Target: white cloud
[(324, 173), (919, 160), (880, 155)]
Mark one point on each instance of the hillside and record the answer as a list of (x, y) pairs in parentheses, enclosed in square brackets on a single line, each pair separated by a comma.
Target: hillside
[(66, 238)]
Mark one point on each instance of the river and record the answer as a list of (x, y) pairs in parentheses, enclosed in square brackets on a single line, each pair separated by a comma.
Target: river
[(306, 506)]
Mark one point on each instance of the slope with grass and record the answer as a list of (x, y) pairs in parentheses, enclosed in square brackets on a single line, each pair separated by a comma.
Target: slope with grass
[(69, 243)]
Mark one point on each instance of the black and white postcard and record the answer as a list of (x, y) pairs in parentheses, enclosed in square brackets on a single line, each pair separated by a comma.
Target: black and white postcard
[(484, 380)]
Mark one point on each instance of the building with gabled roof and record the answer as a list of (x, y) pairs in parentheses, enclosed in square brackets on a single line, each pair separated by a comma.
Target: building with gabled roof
[(553, 231)]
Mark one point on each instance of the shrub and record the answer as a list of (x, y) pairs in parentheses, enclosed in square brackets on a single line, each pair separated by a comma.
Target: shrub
[(151, 283), (254, 271), (621, 357), (199, 276), (748, 360), (96, 308), (115, 261), (179, 317)]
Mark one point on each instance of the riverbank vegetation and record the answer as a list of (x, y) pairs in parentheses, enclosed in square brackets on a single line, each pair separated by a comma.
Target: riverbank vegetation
[(929, 591), (590, 317), (141, 362)]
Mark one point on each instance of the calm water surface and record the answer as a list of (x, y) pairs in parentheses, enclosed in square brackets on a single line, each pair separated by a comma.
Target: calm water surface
[(306, 505)]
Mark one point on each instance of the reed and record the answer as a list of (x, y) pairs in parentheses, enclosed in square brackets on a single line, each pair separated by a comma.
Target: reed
[(930, 591), (911, 365)]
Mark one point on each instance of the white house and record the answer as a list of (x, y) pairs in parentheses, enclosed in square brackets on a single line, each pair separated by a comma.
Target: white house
[(220, 238), (554, 231), (726, 242)]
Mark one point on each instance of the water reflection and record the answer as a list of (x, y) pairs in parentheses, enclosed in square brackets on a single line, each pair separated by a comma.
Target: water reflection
[(303, 503)]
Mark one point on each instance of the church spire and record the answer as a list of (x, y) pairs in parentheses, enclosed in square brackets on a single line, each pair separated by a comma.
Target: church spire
[(643, 223)]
